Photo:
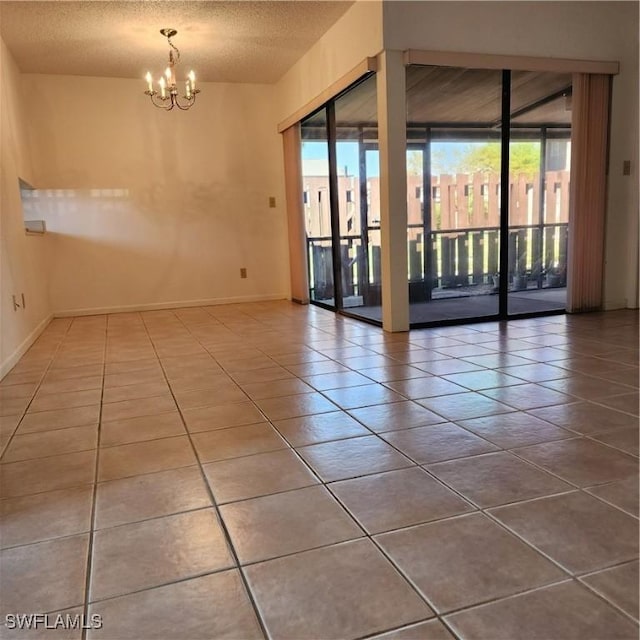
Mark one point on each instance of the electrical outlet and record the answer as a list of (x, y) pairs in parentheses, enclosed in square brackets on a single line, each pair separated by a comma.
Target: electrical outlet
[(272, 202), (626, 167), (243, 273)]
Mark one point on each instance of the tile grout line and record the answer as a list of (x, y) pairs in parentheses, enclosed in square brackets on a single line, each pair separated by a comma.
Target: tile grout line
[(489, 515), (346, 511), (535, 549), (38, 385), (601, 596), (220, 521), (323, 483), (576, 487), (375, 542), (501, 450), (94, 497)]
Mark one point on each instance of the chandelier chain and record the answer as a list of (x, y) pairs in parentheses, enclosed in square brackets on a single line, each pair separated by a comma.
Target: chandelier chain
[(173, 46)]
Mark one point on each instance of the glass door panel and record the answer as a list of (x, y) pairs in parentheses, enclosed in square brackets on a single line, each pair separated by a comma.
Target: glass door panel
[(353, 264), (556, 210), (357, 186), (373, 290), (453, 192), (419, 289), (539, 163), (317, 207)]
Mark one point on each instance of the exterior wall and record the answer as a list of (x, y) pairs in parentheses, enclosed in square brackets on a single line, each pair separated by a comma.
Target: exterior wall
[(23, 259), (149, 209)]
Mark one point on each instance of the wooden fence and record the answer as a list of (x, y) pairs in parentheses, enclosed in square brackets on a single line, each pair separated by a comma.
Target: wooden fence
[(462, 249), (465, 201)]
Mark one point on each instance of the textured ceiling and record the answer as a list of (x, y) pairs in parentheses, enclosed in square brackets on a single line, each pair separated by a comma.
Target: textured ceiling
[(244, 41)]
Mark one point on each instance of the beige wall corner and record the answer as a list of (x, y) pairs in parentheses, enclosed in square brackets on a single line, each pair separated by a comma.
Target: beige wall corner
[(24, 259)]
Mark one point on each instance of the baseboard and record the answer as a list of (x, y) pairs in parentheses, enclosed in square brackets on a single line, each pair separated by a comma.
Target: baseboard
[(12, 360), (613, 305), (158, 306)]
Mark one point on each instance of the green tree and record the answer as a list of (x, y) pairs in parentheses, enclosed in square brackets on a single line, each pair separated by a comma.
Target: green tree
[(524, 158)]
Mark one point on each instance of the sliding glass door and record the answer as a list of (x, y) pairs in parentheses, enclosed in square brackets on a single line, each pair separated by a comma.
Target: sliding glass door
[(487, 193), (488, 155), (453, 193), (341, 203)]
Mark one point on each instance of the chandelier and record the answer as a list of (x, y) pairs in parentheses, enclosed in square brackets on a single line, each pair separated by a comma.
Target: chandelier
[(167, 97)]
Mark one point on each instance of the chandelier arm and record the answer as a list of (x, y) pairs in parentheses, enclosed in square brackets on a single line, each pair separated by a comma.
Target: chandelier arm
[(190, 103), (160, 105)]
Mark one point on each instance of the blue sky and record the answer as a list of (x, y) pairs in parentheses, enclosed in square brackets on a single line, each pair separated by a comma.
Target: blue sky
[(446, 152)]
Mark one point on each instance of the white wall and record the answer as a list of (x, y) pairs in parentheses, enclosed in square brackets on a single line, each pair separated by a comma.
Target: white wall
[(23, 259), (584, 30), (354, 37), (147, 208)]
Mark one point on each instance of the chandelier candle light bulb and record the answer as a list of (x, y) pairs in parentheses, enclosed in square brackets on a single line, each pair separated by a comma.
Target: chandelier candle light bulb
[(167, 100)]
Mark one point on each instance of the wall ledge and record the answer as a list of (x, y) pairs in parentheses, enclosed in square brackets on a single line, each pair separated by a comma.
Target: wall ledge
[(13, 359), (35, 227), (177, 304)]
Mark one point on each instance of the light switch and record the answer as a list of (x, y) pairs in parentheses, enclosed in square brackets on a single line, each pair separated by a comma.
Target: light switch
[(272, 202)]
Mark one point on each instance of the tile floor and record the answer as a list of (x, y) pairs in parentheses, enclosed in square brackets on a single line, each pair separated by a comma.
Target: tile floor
[(274, 470)]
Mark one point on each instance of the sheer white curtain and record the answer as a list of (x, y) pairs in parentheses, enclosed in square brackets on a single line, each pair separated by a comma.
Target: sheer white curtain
[(295, 214), (587, 208)]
